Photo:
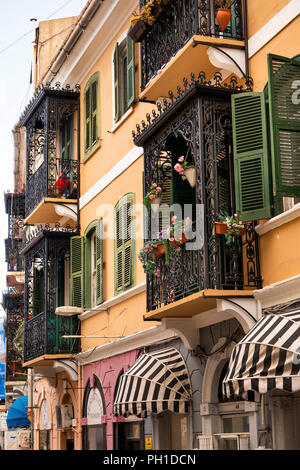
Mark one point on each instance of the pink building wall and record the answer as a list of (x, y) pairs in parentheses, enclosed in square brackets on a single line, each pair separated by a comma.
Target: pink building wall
[(107, 372)]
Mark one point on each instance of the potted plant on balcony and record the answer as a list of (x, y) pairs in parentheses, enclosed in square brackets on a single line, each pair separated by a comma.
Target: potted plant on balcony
[(151, 251), (179, 231), (186, 170), (230, 226), (153, 197), (223, 15), (150, 12)]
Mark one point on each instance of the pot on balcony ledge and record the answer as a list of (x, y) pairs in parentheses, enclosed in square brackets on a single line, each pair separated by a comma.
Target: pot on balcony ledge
[(139, 29), (223, 15)]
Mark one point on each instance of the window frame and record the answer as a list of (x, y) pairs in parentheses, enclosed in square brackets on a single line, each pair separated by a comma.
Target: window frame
[(125, 199), (93, 146), (116, 86)]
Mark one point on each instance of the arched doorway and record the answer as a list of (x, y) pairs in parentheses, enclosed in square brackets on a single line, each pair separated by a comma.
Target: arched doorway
[(227, 424), (94, 432), (67, 434)]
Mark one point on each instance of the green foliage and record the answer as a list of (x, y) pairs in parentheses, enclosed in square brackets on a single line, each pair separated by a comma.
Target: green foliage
[(234, 226), (225, 3)]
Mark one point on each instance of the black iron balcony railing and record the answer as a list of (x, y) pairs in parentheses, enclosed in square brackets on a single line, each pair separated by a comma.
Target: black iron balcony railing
[(57, 179), (197, 125), (13, 303), (52, 145), (184, 19), (46, 274), (15, 204), (13, 258)]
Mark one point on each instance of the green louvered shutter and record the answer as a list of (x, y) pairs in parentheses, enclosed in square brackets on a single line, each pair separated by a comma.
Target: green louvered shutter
[(284, 96), (94, 102), (167, 194), (116, 83), (88, 118), (124, 244), (77, 286), (130, 71), (99, 262), (251, 160)]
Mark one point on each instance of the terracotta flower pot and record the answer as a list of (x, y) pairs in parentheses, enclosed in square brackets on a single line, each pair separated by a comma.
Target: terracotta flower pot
[(190, 174), (159, 251), (223, 17), (139, 30), (221, 228), (175, 243)]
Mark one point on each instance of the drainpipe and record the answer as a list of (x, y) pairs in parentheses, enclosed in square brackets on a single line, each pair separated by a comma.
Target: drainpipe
[(34, 59)]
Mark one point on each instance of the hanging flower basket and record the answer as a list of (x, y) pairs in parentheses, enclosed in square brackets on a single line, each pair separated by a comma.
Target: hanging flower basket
[(190, 174), (223, 18), (186, 170), (153, 198)]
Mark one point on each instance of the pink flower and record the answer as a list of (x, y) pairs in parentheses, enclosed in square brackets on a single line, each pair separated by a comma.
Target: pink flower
[(174, 218), (188, 221), (181, 159), (152, 196), (148, 247), (154, 246), (178, 168), (158, 190), (154, 184)]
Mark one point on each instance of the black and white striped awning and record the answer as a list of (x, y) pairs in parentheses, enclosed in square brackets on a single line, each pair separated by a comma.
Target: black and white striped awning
[(158, 381), (267, 358)]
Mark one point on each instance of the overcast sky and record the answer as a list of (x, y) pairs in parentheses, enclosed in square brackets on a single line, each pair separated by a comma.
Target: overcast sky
[(15, 66)]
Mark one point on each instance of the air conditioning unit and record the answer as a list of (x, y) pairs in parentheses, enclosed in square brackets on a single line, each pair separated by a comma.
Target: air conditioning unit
[(67, 415), (24, 439)]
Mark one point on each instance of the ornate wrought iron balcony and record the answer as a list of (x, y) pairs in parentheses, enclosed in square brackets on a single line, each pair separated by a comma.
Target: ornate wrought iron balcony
[(13, 303), (13, 259), (52, 139), (46, 287), (183, 20), (197, 124)]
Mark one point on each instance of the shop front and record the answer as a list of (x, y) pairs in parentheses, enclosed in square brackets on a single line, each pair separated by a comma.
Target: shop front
[(157, 387), (266, 363), (101, 428)]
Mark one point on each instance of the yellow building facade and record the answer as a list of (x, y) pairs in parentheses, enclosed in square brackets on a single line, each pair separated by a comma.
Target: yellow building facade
[(163, 360)]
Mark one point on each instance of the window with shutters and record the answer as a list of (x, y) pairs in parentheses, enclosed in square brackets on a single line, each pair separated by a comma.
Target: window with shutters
[(124, 243), (93, 264), (284, 106), (87, 267), (91, 116), (124, 77), (266, 136), (251, 156)]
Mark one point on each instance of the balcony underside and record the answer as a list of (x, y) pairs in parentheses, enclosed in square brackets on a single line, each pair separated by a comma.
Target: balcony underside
[(53, 210), (192, 58), (46, 360), (195, 304)]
